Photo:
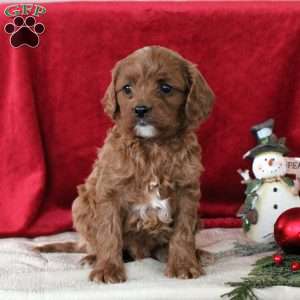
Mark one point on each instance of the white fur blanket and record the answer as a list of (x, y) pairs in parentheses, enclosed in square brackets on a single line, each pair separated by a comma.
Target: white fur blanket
[(25, 274)]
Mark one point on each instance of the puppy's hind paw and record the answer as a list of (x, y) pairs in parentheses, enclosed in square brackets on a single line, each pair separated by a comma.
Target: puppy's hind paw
[(88, 260), (205, 258)]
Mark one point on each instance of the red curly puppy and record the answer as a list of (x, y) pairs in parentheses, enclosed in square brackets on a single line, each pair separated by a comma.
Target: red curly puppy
[(143, 192)]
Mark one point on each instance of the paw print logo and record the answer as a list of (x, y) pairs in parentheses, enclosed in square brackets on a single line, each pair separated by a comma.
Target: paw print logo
[(24, 32)]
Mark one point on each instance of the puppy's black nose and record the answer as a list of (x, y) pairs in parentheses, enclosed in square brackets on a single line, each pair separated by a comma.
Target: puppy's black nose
[(141, 110)]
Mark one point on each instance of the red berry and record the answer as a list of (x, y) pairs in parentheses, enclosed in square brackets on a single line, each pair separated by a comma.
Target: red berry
[(278, 259), (295, 266)]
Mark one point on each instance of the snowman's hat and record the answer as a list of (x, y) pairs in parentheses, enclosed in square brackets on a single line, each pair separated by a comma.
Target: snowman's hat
[(267, 140)]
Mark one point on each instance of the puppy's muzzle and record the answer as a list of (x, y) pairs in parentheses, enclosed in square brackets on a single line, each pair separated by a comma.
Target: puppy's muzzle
[(141, 111)]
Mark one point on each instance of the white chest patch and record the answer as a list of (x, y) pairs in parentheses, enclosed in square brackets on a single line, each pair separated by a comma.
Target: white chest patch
[(160, 206), (145, 131)]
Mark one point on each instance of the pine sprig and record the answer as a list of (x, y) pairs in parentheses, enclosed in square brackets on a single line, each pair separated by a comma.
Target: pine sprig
[(242, 291), (265, 274)]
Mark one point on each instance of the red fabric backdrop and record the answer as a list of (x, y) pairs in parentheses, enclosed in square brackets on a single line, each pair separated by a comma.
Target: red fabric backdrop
[(51, 121)]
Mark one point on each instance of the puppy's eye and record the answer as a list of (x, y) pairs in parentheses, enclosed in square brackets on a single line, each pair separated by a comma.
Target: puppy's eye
[(127, 89), (165, 88)]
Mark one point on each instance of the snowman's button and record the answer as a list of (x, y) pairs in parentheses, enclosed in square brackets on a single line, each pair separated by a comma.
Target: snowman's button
[(275, 189), (275, 206)]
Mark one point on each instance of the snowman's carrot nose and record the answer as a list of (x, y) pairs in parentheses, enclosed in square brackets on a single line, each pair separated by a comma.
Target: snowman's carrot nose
[(270, 162)]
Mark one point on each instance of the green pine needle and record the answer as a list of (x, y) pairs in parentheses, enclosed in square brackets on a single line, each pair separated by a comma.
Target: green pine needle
[(241, 292), (265, 274)]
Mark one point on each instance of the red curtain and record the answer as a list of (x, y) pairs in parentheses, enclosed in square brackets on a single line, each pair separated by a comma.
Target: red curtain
[(51, 121)]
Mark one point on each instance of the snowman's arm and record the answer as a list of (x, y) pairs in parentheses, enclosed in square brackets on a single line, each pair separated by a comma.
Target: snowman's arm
[(245, 175), (296, 187)]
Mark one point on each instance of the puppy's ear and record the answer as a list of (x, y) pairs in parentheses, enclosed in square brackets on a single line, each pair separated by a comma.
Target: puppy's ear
[(109, 101), (200, 97)]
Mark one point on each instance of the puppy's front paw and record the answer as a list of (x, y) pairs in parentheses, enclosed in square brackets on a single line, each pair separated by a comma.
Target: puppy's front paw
[(183, 271), (111, 273)]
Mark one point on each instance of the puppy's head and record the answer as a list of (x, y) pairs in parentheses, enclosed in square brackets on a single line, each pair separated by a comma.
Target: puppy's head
[(155, 92)]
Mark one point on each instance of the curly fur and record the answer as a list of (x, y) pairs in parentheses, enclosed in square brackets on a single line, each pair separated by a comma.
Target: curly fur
[(142, 193)]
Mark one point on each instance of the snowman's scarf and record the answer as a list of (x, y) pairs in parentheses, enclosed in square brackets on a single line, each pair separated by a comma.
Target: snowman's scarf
[(253, 185)]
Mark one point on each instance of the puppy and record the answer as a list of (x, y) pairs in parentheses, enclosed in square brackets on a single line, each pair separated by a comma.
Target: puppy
[(143, 192)]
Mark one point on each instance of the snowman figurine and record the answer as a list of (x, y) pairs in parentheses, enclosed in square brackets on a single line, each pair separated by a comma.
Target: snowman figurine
[(271, 192)]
